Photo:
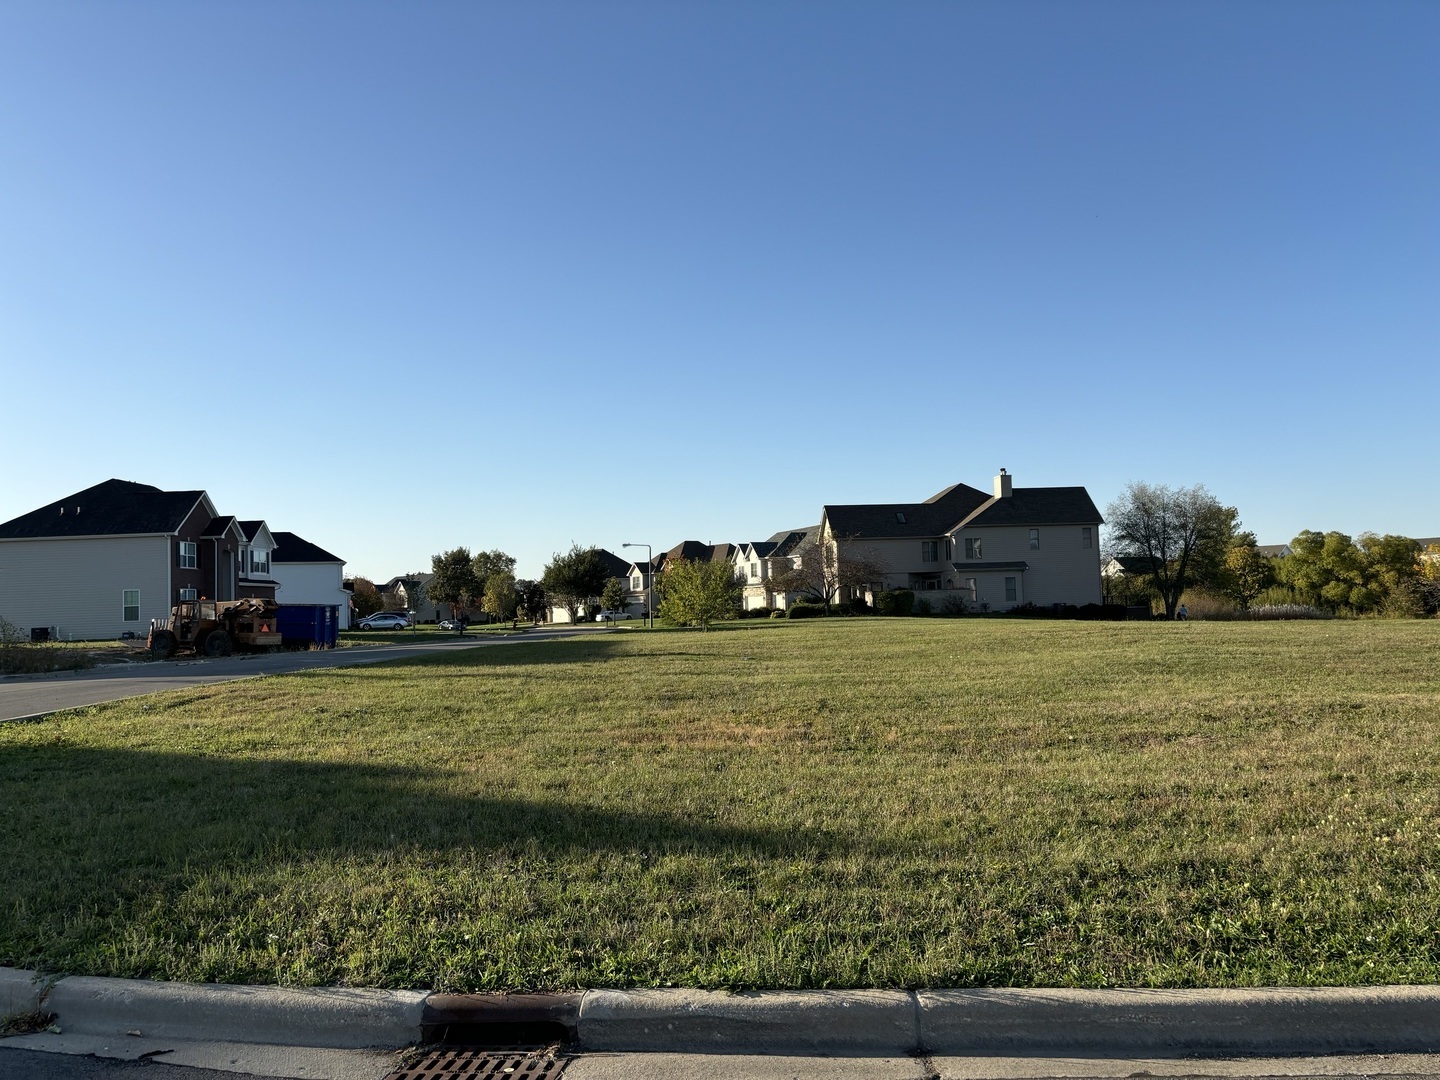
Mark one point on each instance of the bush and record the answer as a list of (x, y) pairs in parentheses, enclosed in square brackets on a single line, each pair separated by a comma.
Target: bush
[(778, 613), (923, 606), (1416, 598), (951, 606), (858, 606), (804, 611), (19, 657), (1288, 611), (1205, 605), (1277, 596), (895, 602)]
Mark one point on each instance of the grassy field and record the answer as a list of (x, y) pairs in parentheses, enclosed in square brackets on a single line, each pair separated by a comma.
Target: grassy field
[(855, 802)]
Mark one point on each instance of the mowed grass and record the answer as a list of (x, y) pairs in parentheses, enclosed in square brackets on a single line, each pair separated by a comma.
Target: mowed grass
[(857, 802)]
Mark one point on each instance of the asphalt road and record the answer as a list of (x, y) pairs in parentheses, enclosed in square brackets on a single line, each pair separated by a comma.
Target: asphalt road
[(26, 696), (24, 1064)]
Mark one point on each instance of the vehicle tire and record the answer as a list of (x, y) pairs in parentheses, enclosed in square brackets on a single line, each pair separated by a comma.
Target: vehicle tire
[(162, 644), (217, 643)]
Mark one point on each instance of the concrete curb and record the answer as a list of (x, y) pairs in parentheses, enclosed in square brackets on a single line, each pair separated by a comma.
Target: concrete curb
[(335, 1018), (858, 1023), (848, 1023), (1322, 1020)]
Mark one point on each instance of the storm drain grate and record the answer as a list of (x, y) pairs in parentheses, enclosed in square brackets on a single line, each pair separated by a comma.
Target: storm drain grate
[(505, 1063)]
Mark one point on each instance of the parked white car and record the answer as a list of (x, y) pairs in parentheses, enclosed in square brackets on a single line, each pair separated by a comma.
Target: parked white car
[(613, 616)]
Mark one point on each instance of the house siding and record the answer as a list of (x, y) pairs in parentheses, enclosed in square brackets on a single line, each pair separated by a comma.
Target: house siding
[(76, 586), (312, 583), (1061, 571)]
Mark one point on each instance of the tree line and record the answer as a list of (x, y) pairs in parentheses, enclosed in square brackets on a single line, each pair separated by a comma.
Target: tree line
[(1184, 539)]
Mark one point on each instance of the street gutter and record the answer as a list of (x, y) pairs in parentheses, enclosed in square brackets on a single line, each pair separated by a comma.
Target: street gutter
[(856, 1023)]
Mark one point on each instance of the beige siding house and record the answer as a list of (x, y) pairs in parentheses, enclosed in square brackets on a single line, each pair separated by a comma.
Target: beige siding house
[(104, 561), (964, 549)]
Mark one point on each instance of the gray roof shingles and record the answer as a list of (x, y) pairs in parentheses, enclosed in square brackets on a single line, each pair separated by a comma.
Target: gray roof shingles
[(1038, 506), (936, 515), (111, 508), (290, 548)]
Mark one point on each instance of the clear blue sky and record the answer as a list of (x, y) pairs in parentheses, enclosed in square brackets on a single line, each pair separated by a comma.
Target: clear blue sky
[(399, 277)]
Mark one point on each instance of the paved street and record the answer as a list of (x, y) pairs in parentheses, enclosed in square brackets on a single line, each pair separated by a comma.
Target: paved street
[(33, 695), (229, 1061)]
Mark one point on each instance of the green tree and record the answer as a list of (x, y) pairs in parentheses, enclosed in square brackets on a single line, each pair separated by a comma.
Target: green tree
[(532, 599), (612, 597), (699, 593), (365, 597), (1326, 570), (1430, 563), (1331, 570), (486, 563), (1391, 562), (500, 598), (1174, 530), (573, 578), (1246, 572), (454, 581)]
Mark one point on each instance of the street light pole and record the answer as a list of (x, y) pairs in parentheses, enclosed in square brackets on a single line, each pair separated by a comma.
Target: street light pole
[(649, 581)]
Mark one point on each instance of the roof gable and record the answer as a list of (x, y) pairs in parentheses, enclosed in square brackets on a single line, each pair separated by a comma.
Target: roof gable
[(257, 532), (111, 508)]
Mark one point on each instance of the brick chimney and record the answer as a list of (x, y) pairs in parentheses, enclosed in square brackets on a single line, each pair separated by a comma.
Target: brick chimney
[(1002, 485)]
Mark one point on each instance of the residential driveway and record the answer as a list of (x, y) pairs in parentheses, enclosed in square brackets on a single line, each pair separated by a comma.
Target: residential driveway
[(25, 696)]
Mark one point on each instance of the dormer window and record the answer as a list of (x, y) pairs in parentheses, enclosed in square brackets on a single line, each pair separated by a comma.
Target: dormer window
[(899, 517)]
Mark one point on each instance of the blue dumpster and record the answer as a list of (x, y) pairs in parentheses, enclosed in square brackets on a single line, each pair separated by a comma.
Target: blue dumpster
[(306, 625)]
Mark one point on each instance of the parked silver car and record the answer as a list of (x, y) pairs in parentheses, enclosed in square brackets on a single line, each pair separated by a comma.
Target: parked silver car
[(385, 620)]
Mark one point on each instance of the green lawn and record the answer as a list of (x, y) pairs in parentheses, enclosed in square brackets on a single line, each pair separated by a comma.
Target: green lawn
[(850, 802)]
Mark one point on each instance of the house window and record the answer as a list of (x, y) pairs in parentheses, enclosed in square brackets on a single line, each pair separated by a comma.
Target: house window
[(754, 571), (188, 594), (972, 547), (1085, 537), (1010, 589), (130, 603), (973, 588), (189, 555), (1034, 539), (636, 583), (929, 550), (899, 517)]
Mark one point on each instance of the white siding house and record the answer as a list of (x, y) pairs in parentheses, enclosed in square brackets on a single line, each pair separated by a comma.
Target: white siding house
[(308, 574)]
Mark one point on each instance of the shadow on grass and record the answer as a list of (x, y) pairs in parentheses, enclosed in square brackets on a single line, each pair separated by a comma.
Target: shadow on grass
[(161, 813)]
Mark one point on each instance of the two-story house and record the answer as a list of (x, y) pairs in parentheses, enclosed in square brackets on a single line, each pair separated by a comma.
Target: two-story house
[(106, 560), (971, 550)]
